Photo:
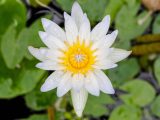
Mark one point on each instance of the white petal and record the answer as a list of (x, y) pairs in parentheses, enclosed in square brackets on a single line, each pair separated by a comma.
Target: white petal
[(104, 82), (49, 65), (91, 84), (77, 14), (84, 32), (71, 28), (64, 85), (109, 39), (77, 81), (51, 41), (118, 54), (100, 29), (54, 29), (40, 54), (54, 55), (52, 81), (104, 64), (106, 41), (79, 100)]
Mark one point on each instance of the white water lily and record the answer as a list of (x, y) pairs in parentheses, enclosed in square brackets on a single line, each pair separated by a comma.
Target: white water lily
[(78, 56)]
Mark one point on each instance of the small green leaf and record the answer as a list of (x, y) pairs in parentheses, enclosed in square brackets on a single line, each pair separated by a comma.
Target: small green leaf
[(10, 16), (113, 8), (37, 100), (155, 107), (66, 4), (93, 8), (13, 48), (131, 28), (136, 93), (119, 76), (156, 25), (96, 105), (157, 69), (37, 117), (21, 81), (125, 112), (36, 4)]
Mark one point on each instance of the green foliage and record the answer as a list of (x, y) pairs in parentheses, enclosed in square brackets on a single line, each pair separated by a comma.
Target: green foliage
[(10, 16), (20, 81), (37, 100), (37, 117), (131, 28), (118, 75), (96, 106), (156, 25), (136, 93), (157, 69), (113, 8), (12, 47), (155, 106), (125, 112), (66, 5), (18, 75), (36, 4), (93, 8)]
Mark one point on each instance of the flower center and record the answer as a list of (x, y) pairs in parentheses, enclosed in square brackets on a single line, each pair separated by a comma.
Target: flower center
[(78, 58)]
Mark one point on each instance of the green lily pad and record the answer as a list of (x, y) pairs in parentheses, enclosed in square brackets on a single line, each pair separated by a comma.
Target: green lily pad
[(10, 16), (113, 8), (155, 106), (96, 105), (125, 112), (131, 28), (157, 69), (12, 47), (37, 100), (139, 93), (21, 81), (125, 71), (156, 25), (94, 8)]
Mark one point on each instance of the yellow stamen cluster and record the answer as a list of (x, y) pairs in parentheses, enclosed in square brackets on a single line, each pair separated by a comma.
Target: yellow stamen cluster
[(79, 57)]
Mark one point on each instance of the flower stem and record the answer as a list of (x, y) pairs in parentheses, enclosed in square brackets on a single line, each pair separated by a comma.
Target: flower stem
[(50, 111)]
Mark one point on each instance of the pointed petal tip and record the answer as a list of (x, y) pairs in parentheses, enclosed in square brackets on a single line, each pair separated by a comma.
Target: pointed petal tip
[(79, 113), (30, 48), (66, 16), (129, 52), (106, 18), (59, 94), (76, 3), (39, 65), (42, 34), (43, 88), (116, 32), (112, 91), (45, 22)]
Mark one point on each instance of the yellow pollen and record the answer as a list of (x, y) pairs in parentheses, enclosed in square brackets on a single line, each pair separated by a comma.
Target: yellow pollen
[(78, 58)]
